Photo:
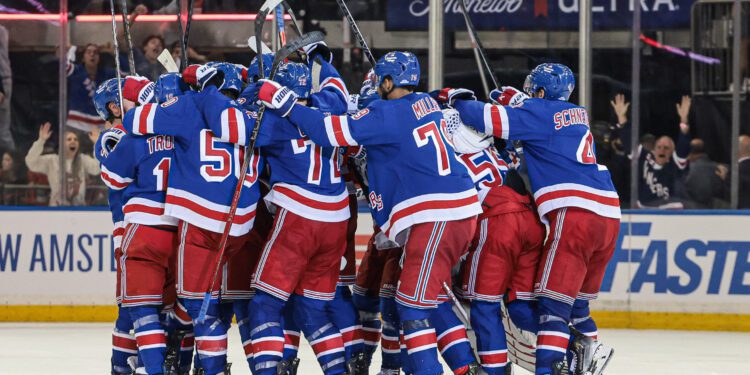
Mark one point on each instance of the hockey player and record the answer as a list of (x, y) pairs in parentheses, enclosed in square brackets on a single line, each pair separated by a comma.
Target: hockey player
[(107, 103), (419, 193), (202, 180), (573, 194), (505, 252), (140, 166), (311, 200)]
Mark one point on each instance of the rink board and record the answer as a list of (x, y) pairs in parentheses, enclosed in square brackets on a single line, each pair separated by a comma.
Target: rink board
[(672, 270)]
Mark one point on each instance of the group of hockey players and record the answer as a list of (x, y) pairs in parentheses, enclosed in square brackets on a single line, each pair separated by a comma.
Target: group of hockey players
[(439, 174)]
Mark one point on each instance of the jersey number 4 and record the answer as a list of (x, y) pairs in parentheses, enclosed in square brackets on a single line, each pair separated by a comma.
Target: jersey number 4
[(219, 163), (430, 132), (586, 154)]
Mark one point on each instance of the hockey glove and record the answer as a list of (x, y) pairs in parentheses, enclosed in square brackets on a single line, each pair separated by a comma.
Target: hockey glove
[(138, 89), (318, 49), (109, 140), (449, 95), (277, 97), (201, 75), (507, 95)]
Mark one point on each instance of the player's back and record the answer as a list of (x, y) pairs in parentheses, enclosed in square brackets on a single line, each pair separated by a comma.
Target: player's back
[(143, 162), (561, 157), (416, 173), (204, 171)]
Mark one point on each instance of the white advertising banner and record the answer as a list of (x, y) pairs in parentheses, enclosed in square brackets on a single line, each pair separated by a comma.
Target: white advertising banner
[(687, 262)]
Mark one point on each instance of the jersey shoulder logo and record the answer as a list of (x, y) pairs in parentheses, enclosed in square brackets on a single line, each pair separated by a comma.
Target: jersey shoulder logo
[(169, 102), (360, 114)]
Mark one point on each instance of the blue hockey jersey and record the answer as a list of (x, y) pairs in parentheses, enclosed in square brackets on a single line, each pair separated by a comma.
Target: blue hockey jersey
[(205, 169), (139, 166), (414, 175), (81, 112), (114, 199), (559, 149)]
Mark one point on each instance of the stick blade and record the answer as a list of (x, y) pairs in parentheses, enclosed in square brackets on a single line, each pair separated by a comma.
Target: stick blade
[(304, 40), (166, 60), (269, 4), (253, 43)]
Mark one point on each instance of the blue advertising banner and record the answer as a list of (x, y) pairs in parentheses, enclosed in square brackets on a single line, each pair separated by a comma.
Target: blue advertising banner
[(403, 15)]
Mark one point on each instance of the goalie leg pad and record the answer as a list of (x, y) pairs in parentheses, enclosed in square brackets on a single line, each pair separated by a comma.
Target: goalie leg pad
[(323, 336), (491, 345), (150, 336), (266, 332), (453, 342), (553, 335)]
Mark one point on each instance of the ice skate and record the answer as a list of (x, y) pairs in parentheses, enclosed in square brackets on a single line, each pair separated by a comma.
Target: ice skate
[(287, 367), (590, 357), (357, 365)]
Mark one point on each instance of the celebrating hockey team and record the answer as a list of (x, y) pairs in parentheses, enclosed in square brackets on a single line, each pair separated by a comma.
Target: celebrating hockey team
[(234, 193)]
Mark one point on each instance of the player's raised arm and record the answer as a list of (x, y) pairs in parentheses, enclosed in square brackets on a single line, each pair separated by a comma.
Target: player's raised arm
[(332, 92)]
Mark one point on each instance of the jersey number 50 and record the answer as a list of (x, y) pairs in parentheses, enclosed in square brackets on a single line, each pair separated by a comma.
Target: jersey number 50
[(218, 162)]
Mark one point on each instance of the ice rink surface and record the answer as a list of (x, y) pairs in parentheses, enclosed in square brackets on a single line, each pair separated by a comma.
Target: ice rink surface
[(83, 349)]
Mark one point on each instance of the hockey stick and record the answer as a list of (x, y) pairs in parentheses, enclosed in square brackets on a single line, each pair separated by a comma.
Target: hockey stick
[(186, 37), (253, 44), (181, 31), (478, 48), (260, 20), (167, 61), (357, 33), (290, 12), (281, 54), (458, 305), (126, 28), (117, 56)]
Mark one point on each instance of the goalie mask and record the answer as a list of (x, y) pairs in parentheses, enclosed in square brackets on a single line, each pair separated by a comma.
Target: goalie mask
[(464, 139)]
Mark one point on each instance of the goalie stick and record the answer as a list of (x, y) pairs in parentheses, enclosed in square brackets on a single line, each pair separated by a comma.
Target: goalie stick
[(281, 54)]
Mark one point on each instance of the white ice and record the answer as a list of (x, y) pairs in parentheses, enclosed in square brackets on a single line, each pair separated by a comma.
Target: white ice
[(81, 349)]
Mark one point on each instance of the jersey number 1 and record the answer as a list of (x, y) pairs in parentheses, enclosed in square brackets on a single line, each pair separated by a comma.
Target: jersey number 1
[(430, 132)]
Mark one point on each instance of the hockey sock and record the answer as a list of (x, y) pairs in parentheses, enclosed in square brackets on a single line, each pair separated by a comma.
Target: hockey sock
[(266, 333), (420, 339), (291, 330), (211, 334), (453, 343), (368, 308), (150, 336), (344, 316), (523, 314), (491, 345), (123, 343), (391, 349), (184, 322), (241, 315), (581, 319), (553, 335), (323, 336)]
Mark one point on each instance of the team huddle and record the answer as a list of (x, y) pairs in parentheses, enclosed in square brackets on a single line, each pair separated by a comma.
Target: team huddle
[(439, 173)]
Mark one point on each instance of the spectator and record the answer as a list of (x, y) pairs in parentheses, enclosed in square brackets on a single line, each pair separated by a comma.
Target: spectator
[(6, 88), (704, 182), (660, 169), (13, 173), (146, 63), (83, 79), (193, 56), (77, 166), (744, 171)]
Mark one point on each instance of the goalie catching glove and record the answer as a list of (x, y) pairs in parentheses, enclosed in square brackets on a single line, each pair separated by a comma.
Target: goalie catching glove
[(464, 139), (276, 97)]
